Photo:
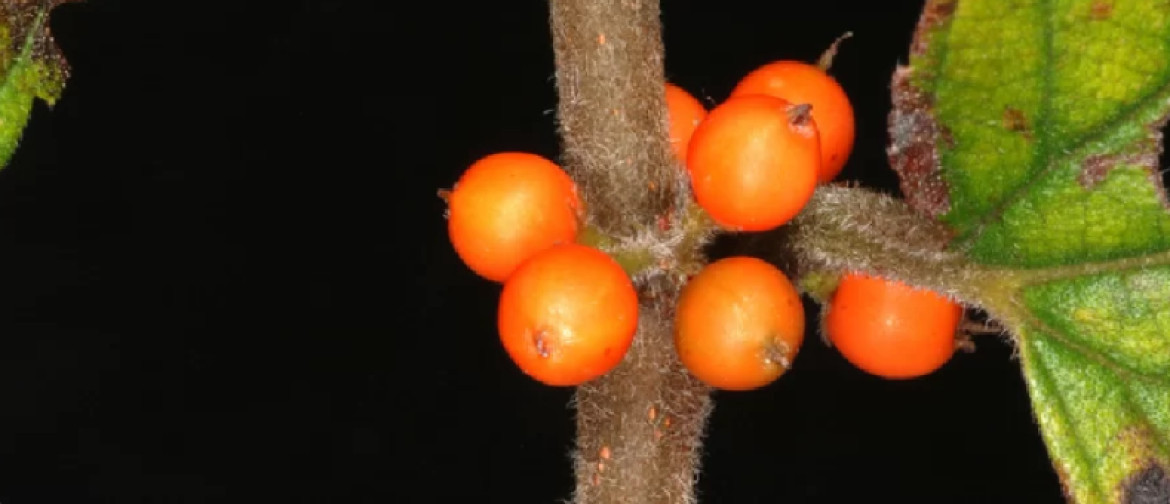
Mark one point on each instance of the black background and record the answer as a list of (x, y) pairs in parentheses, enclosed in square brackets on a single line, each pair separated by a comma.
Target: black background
[(224, 272)]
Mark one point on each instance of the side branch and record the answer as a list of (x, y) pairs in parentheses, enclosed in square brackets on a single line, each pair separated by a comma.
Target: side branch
[(844, 229)]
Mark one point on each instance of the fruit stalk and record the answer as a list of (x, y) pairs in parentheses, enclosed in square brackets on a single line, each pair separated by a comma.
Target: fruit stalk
[(638, 427)]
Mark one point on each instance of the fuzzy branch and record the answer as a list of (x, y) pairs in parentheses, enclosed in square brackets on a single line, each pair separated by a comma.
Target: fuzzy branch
[(611, 109), (854, 229), (638, 427), (851, 229)]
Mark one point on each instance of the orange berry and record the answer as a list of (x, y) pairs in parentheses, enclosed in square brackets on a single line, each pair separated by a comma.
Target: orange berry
[(508, 206), (890, 329), (753, 162), (800, 82), (685, 113), (568, 314), (739, 324)]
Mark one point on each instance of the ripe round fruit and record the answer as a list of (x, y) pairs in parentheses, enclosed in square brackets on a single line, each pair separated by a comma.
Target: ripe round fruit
[(685, 113), (890, 329), (753, 162), (568, 314), (739, 324), (800, 82), (508, 206)]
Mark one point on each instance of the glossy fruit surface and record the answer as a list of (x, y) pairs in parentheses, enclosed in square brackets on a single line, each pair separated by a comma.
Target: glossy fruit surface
[(753, 162), (685, 113), (800, 82), (508, 206), (890, 329), (739, 324), (567, 315)]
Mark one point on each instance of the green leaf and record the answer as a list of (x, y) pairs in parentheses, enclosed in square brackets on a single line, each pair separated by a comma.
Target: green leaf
[(31, 66), (1031, 128)]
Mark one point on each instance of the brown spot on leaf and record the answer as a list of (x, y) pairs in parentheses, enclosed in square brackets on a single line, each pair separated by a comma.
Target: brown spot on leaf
[(1096, 168), (1101, 10), (935, 13), (913, 150), (1150, 485), (1015, 121)]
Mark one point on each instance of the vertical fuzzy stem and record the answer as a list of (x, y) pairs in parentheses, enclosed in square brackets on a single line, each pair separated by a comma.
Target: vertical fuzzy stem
[(639, 427), (611, 109)]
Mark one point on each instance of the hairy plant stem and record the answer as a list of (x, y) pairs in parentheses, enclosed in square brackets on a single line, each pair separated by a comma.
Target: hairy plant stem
[(638, 427), (850, 229)]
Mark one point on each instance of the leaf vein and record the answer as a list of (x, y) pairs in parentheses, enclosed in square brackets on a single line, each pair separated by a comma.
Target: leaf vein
[(1089, 353)]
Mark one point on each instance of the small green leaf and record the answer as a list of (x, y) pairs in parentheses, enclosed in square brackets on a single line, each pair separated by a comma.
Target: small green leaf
[(31, 66), (1032, 129)]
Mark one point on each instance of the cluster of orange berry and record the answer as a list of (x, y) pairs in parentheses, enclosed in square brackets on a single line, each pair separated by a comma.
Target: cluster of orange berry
[(568, 312)]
